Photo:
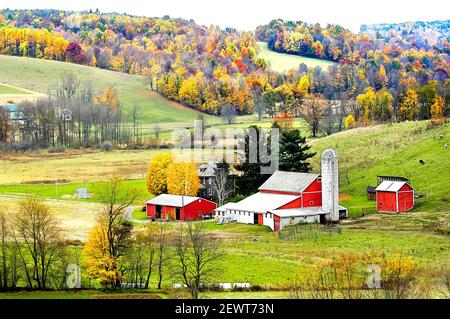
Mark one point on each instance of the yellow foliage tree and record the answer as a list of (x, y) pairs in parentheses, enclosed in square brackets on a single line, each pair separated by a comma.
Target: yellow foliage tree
[(156, 180), (367, 101), (303, 85), (108, 97), (349, 121), (189, 92), (409, 106), (182, 179), (437, 109), (99, 263)]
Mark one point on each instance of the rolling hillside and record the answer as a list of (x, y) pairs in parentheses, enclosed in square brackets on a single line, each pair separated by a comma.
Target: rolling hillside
[(281, 62), (393, 150), (42, 76)]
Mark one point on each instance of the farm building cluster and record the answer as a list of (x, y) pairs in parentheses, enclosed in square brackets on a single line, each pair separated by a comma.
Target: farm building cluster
[(289, 198), (286, 198)]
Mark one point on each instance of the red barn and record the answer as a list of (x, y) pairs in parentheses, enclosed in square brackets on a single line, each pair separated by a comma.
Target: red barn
[(393, 196), (179, 207)]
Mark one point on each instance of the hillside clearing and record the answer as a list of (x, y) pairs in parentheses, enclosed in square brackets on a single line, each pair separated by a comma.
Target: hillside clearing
[(393, 149), (10, 93), (282, 62), (43, 76)]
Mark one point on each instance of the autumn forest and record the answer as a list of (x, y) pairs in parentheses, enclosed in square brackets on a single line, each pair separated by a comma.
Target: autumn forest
[(386, 73)]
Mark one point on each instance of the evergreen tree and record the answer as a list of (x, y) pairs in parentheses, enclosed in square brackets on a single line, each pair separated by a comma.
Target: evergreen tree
[(294, 152), (251, 178)]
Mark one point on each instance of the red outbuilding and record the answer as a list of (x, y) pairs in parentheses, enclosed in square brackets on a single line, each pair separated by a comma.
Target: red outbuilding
[(177, 207), (394, 196)]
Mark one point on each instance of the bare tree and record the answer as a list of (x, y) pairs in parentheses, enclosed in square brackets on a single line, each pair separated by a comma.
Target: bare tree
[(162, 248), (39, 240), (9, 268), (135, 114), (228, 113), (197, 253), (312, 111), (221, 182), (142, 255)]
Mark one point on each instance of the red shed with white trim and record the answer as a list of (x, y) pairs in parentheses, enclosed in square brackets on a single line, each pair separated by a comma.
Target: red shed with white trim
[(179, 207), (394, 197)]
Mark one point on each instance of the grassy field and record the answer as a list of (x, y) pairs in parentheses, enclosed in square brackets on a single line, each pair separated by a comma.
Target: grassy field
[(80, 166), (76, 219), (281, 62), (43, 76), (365, 153), (6, 89), (10, 93)]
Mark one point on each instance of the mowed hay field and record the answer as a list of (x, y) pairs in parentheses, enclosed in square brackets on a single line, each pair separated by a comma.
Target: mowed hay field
[(396, 149), (76, 219), (282, 62), (9, 93), (43, 76)]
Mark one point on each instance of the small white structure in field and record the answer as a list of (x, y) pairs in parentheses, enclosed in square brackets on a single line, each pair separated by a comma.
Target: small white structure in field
[(82, 193), (330, 185)]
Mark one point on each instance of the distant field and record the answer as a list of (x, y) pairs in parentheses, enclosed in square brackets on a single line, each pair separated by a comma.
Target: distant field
[(6, 89), (281, 62), (43, 75), (76, 219), (10, 93), (78, 166), (396, 150)]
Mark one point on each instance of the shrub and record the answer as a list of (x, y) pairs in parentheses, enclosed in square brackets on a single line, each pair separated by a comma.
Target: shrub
[(56, 149), (106, 146)]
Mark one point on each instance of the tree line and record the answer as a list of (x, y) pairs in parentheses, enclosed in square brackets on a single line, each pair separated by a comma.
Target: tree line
[(73, 116), (207, 67)]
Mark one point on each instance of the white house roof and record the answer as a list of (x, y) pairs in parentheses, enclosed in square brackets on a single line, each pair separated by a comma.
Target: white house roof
[(390, 186), (260, 203), (172, 200), (289, 181)]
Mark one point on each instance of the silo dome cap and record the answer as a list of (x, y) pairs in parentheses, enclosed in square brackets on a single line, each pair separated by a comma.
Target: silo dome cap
[(329, 153)]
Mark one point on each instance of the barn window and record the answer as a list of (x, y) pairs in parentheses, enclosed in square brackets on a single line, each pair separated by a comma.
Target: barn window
[(319, 179), (311, 202), (210, 192)]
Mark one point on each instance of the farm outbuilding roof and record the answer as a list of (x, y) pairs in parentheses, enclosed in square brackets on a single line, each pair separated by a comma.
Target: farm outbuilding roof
[(390, 186), (172, 200), (289, 182)]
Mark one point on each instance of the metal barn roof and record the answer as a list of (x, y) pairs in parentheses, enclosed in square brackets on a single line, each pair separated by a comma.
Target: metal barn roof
[(260, 203), (172, 200), (289, 182), (390, 186), (298, 212)]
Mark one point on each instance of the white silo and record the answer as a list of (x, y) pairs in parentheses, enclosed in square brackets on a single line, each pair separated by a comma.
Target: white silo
[(330, 185)]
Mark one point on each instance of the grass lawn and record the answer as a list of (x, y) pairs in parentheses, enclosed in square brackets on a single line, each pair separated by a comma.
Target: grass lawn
[(282, 62), (84, 294), (43, 75), (139, 214)]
